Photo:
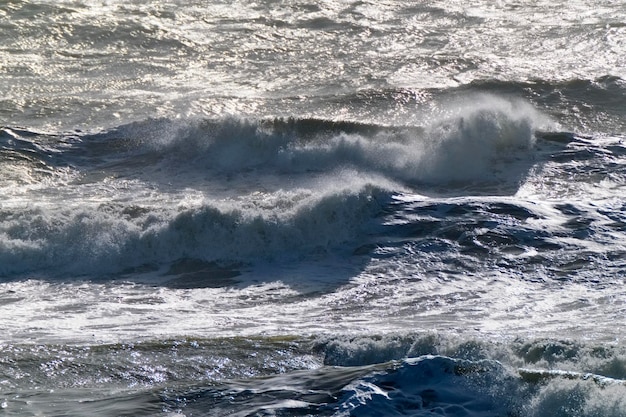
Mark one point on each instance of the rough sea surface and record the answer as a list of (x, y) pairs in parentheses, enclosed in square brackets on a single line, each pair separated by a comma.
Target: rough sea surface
[(313, 208)]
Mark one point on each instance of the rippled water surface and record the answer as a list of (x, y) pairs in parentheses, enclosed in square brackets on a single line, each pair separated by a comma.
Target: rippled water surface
[(312, 208)]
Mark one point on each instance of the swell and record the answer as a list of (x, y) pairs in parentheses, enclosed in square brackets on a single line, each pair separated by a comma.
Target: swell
[(79, 31)]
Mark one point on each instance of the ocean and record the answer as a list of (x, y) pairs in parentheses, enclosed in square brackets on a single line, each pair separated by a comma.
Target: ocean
[(313, 208)]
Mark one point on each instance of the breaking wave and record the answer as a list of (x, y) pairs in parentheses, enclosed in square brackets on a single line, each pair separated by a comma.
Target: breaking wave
[(238, 190), (468, 142)]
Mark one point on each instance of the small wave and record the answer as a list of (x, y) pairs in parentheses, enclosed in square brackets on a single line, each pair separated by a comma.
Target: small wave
[(546, 354), (437, 385), (424, 386), (433, 375)]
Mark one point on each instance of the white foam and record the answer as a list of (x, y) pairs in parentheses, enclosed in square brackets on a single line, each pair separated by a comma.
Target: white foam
[(566, 397)]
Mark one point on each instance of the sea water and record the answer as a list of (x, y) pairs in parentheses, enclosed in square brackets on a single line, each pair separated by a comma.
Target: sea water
[(312, 208)]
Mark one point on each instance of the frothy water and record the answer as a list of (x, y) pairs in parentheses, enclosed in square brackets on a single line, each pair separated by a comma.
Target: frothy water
[(312, 208)]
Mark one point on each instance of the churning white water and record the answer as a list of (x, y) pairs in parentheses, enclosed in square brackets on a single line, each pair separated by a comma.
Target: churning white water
[(319, 208)]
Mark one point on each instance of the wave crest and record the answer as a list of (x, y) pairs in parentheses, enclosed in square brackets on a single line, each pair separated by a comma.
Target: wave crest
[(489, 140), (109, 238)]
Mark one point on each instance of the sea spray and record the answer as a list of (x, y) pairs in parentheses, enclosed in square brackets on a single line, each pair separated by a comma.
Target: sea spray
[(324, 208)]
